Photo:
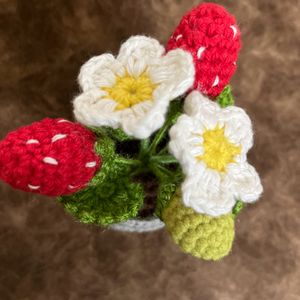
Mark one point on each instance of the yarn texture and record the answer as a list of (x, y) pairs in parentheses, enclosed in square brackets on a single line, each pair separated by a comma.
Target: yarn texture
[(212, 36), (133, 90), (157, 149), (52, 157), (111, 196), (211, 144), (200, 235)]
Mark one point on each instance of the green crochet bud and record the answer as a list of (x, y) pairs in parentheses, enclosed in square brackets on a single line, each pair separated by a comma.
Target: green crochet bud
[(200, 235)]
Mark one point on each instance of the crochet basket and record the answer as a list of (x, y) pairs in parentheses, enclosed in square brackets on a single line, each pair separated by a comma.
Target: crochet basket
[(158, 140)]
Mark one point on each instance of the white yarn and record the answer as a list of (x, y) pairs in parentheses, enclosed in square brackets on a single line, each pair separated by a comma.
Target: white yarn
[(234, 30), (50, 160), (172, 73), (207, 190), (139, 225)]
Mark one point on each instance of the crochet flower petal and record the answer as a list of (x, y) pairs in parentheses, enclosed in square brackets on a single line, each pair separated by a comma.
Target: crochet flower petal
[(92, 109), (238, 127), (99, 71), (174, 72), (237, 124), (143, 119), (246, 182), (140, 49), (183, 142), (196, 103), (205, 192)]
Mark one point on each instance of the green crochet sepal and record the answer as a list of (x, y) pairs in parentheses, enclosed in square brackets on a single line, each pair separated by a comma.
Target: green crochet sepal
[(226, 97), (111, 197)]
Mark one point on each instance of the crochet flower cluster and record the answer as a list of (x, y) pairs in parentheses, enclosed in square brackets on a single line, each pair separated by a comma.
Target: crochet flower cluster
[(158, 127)]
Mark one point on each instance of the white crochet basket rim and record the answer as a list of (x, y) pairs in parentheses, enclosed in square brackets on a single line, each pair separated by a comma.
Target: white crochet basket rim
[(139, 225)]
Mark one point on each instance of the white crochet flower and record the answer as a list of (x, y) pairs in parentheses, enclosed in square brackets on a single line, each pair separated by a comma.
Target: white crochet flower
[(133, 90), (211, 143)]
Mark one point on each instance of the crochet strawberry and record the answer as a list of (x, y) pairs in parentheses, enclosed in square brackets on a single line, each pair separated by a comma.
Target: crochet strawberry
[(53, 157), (211, 35)]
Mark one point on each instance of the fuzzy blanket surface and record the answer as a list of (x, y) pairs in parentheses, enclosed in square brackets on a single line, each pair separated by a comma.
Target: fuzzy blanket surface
[(46, 254)]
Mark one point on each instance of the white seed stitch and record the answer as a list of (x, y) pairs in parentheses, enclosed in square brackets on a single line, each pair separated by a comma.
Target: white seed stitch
[(62, 121), (234, 63), (90, 164), (234, 30), (200, 51), (216, 82), (32, 141), (70, 186), (58, 137), (50, 160), (33, 187), (179, 36)]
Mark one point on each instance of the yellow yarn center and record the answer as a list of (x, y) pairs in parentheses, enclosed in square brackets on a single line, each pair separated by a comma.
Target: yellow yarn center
[(128, 90), (218, 150)]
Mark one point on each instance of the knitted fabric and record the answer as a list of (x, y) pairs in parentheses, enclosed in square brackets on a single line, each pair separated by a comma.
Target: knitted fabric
[(52, 157), (211, 35), (200, 235)]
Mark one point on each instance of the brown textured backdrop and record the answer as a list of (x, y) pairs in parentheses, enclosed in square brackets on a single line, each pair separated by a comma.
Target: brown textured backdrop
[(45, 254)]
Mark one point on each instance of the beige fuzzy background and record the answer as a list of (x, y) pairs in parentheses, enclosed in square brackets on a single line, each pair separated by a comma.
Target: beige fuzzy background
[(45, 254)]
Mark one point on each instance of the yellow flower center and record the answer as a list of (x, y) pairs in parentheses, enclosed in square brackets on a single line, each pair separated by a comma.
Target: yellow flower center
[(128, 90), (218, 150)]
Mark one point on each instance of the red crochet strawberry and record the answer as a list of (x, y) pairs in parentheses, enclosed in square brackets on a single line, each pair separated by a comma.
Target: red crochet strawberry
[(211, 35), (53, 157)]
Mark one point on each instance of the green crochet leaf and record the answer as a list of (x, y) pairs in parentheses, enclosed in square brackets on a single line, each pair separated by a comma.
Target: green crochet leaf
[(239, 205), (175, 110), (110, 197), (116, 134), (110, 202), (165, 193), (226, 97)]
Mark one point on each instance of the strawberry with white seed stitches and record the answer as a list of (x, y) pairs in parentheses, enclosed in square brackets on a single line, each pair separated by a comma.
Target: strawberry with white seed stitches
[(53, 157), (212, 36)]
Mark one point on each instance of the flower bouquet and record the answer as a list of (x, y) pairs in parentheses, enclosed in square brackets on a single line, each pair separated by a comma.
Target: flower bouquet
[(159, 141)]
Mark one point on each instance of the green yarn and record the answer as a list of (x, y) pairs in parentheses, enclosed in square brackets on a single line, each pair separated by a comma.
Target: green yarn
[(110, 197), (165, 193), (239, 205), (175, 110), (115, 134), (226, 97), (107, 203), (200, 235)]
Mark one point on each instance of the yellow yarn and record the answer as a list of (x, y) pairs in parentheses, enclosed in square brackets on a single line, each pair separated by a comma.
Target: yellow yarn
[(218, 151), (129, 90), (200, 235)]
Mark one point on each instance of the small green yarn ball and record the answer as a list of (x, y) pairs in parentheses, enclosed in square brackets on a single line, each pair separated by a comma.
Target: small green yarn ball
[(200, 235)]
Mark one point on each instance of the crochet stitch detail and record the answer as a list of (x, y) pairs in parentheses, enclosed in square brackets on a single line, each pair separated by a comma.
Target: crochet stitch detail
[(53, 157), (200, 235), (218, 150), (211, 35), (214, 191), (128, 90), (133, 90)]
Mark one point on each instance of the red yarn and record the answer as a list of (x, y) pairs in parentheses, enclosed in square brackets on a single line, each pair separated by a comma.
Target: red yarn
[(53, 157), (209, 26)]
